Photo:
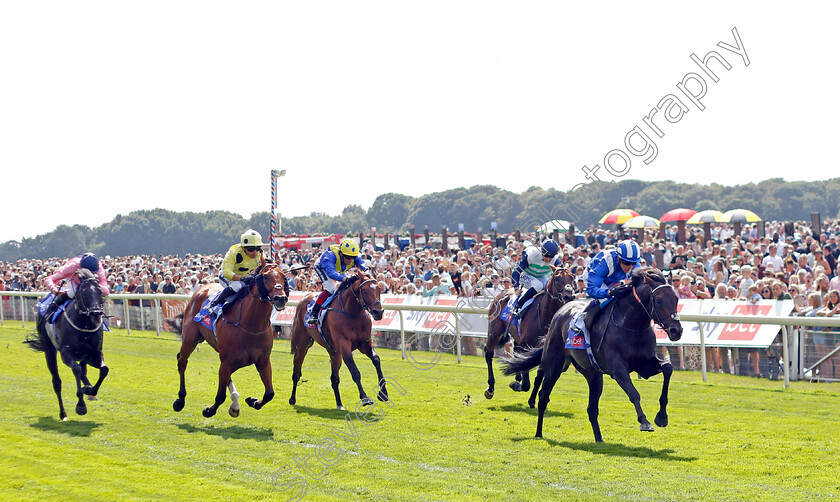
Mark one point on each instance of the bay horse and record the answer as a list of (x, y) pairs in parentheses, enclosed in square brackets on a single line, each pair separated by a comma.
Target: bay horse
[(622, 340), (244, 336), (558, 290), (79, 332), (345, 327)]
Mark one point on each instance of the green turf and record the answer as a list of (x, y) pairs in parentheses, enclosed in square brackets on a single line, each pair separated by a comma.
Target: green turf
[(733, 438)]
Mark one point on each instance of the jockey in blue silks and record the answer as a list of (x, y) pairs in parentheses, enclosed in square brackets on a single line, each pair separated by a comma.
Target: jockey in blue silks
[(609, 275), (534, 270), (331, 267)]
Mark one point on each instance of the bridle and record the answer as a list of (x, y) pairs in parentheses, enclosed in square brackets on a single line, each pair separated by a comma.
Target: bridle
[(653, 312), (559, 295), (264, 295), (84, 310), (361, 299)]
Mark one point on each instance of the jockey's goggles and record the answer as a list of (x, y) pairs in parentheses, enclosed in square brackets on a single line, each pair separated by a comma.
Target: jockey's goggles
[(625, 262), (251, 249)]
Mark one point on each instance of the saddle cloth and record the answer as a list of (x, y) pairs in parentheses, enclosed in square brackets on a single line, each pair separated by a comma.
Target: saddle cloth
[(506, 315)]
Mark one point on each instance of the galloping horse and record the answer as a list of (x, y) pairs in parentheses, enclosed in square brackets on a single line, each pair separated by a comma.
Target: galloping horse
[(79, 333), (558, 290), (244, 336), (345, 327), (622, 341)]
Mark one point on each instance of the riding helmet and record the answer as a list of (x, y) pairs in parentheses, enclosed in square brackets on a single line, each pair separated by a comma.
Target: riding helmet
[(629, 251), (549, 248), (349, 247), (90, 262), (251, 238)]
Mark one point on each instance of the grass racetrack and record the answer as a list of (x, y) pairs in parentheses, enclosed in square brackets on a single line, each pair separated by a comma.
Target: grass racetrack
[(733, 438)]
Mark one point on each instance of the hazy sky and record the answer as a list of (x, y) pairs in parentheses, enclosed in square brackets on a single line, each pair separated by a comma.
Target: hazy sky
[(110, 107)]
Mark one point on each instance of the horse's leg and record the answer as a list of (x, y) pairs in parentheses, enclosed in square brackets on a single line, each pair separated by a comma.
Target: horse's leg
[(595, 379), (264, 367), (622, 377), (234, 400), (347, 356), (301, 347), (661, 418), (221, 393), (489, 350), (551, 372), (52, 365), (537, 382), (367, 349), (335, 360), (69, 360), (103, 372), (189, 340)]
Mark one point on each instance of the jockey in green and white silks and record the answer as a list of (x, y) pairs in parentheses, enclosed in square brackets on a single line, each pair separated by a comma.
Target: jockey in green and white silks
[(534, 270)]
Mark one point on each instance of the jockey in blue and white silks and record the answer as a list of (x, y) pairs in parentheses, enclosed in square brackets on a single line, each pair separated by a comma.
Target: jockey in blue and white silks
[(609, 273), (534, 270), (331, 267)]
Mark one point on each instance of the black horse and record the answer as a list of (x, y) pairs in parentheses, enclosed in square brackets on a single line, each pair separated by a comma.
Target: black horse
[(622, 341), (79, 333)]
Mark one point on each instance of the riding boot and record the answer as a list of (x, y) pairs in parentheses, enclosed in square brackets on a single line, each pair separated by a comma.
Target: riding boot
[(319, 302), (590, 313), (222, 297), (59, 299), (313, 315), (527, 295)]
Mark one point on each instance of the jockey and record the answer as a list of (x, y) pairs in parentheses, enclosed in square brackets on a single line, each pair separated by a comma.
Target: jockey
[(330, 268), (67, 275), (238, 263), (534, 270), (609, 275)]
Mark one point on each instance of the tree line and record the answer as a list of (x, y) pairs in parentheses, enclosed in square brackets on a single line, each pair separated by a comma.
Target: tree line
[(160, 231)]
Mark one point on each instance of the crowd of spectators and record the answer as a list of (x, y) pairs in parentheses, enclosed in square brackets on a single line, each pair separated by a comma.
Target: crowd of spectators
[(800, 265)]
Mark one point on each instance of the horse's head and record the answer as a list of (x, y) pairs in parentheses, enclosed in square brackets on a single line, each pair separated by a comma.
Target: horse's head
[(272, 286), (561, 285), (366, 291), (89, 297), (661, 304)]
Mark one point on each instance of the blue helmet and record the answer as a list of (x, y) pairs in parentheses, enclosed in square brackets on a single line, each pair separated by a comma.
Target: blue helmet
[(629, 251), (90, 262), (549, 248)]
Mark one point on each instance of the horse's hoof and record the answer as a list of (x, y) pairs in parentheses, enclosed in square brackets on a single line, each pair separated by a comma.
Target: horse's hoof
[(88, 390), (516, 386), (489, 394), (92, 398), (64, 419), (252, 402), (339, 408), (178, 405), (661, 420), (531, 404), (292, 401), (81, 409), (382, 396), (646, 427), (62, 416), (366, 401), (208, 412), (233, 413)]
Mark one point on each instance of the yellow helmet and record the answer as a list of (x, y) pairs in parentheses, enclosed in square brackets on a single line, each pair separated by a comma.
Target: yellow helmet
[(349, 247), (251, 238)]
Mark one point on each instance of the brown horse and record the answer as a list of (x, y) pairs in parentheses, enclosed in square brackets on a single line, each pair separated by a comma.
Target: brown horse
[(244, 336), (346, 327), (558, 290)]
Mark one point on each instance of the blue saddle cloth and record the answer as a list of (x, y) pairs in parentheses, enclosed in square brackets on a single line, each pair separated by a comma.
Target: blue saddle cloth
[(506, 315), (47, 300), (321, 313), (209, 317)]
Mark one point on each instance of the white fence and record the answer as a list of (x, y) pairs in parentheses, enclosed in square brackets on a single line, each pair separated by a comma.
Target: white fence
[(460, 318)]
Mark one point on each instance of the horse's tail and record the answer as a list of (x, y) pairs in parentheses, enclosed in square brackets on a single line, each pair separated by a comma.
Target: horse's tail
[(176, 323), (36, 341), (523, 361)]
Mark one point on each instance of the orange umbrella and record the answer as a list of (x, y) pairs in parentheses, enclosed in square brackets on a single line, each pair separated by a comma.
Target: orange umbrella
[(618, 216)]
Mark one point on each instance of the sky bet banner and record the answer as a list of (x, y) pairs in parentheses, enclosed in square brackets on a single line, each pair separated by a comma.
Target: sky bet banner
[(717, 334)]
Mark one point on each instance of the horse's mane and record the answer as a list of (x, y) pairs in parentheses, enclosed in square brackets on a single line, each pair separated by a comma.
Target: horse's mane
[(85, 274), (647, 274)]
